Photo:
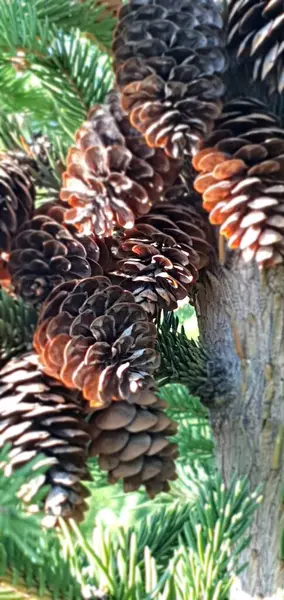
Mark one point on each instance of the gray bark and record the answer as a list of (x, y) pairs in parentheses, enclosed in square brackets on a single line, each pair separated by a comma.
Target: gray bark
[(241, 319)]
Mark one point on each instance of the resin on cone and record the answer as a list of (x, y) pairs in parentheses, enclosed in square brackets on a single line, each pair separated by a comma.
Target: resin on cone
[(92, 336), (242, 180)]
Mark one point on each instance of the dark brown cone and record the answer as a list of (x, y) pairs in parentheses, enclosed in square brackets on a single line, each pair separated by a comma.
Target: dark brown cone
[(93, 337), (255, 34), (112, 176), (40, 417), (17, 196), (242, 180), (158, 260), (162, 166), (168, 57), (45, 253), (131, 443)]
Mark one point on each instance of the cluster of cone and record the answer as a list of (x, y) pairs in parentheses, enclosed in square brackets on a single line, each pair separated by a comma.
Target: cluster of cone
[(127, 239), (124, 241)]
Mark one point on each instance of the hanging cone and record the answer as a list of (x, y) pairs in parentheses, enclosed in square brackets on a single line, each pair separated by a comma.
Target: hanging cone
[(242, 180), (131, 443), (40, 417), (162, 166), (158, 260), (168, 60), (16, 201), (93, 337), (45, 253), (255, 34), (112, 176)]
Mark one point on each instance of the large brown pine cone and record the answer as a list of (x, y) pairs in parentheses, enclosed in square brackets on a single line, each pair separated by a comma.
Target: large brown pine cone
[(16, 201), (112, 175), (161, 166), (45, 253), (168, 57), (93, 337), (255, 34), (242, 180), (158, 260), (131, 443), (38, 416)]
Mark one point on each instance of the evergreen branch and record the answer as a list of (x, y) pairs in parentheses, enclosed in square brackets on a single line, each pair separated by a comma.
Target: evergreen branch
[(113, 568), (76, 75), (50, 578), (45, 165), (31, 561), (89, 16), (177, 553), (182, 360), (38, 53), (17, 488), (73, 72), (129, 562), (194, 437), (17, 324), (12, 591), (214, 538), (10, 132), (188, 362), (41, 15), (161, 540)]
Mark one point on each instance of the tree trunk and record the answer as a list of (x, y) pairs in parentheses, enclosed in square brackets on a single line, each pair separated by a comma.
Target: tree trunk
[(241, 319)]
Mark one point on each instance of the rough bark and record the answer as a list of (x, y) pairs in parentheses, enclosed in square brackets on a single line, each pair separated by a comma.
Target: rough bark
[(241, 318)]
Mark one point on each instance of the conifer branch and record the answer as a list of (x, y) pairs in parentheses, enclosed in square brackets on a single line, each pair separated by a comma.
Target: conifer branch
[(182, 360), (17, 323), (187, 361), (66, 71), (12, 591)]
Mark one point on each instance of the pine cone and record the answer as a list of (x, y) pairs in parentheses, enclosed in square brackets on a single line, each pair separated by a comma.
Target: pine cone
[(131, 443), (162, 166), (45, 254), (242, 180), (158, 260), (16, 201), (167, 60), (112, 175), (40, 417), (93, 337), (255, 32)]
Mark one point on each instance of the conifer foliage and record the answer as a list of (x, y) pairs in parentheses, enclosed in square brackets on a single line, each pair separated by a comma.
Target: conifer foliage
[(118, 135)]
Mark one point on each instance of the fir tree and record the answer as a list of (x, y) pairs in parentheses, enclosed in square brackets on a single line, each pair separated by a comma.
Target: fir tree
[(141, 188)]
